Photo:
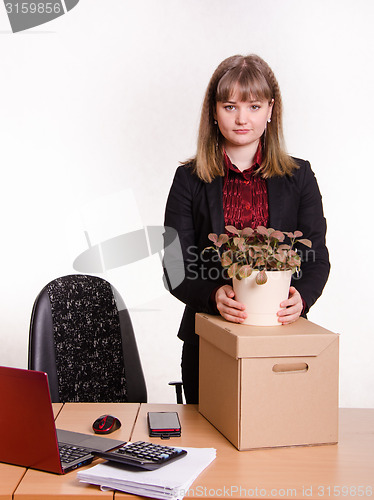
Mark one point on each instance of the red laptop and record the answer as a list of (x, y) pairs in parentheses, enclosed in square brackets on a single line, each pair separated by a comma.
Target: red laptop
[(28, 436)]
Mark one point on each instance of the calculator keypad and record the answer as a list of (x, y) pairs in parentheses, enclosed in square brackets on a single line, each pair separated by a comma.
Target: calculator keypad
[(148, 451), (144, 455)]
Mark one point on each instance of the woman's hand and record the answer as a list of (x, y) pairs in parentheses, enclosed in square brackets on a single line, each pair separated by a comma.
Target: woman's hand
[(229, 308), (293, 307)]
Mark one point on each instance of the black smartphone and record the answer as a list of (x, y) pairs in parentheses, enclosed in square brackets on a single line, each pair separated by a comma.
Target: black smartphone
[(163, 424)]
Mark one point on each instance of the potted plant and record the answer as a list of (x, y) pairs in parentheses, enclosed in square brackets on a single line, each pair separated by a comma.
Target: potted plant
[(261, 264)]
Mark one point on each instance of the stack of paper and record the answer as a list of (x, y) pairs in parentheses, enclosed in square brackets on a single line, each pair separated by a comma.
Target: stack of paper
[(171, 481)]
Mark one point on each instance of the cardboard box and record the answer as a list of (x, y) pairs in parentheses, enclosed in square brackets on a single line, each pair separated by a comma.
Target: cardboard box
[(269, 386)]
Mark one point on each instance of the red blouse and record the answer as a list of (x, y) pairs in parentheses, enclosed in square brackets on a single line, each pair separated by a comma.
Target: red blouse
[(245, 197)]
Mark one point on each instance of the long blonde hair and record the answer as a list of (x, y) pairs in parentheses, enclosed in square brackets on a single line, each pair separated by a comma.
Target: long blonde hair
[(256, 80)]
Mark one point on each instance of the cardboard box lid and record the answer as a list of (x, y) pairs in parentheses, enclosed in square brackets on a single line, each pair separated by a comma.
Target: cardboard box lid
[(301, 338)]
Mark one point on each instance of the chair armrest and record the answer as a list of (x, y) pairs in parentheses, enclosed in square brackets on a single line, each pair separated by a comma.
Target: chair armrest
[(178, 391)]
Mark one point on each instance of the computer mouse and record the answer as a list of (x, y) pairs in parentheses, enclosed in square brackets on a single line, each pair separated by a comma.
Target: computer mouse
[(106, 424)]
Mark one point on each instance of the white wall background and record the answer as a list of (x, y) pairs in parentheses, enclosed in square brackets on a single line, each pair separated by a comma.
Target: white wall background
[(107, 98)]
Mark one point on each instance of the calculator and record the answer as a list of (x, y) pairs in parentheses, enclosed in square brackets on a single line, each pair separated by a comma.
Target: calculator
[(148, 456)]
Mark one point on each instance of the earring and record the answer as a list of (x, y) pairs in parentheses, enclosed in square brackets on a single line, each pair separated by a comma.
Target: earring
[(269, 120), (215, 122)]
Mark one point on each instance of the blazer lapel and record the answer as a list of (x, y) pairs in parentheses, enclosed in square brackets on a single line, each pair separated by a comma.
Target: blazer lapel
[(215, 205), (275, 186)]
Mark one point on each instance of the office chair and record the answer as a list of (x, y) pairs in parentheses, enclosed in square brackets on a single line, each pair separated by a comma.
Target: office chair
[(81, 335)]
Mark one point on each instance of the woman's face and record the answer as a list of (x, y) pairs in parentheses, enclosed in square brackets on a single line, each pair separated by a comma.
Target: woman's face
[(242, 122)]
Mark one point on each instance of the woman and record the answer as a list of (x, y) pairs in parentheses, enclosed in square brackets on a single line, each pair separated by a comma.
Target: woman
[(241, 176)]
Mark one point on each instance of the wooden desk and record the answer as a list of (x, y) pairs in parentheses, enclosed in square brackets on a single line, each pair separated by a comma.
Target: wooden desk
[(78, 417), (279, 473), (10, 477), (283, 473)]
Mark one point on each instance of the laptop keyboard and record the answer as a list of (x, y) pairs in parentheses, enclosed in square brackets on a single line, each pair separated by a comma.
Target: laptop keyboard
[(70, 453)]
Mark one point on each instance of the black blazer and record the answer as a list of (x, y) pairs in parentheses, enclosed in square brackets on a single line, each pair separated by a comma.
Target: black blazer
[(195, 208)]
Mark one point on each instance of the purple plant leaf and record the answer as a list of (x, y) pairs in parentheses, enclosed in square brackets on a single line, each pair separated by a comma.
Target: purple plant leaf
[(232, 229), (261, 278), (247, 231), (278, 235), (233, 270), (262, 230), (281, 257), (251, 252), (243, 247), (305, 242), (260, 262), (226, 259), (213, 237), (245, 271), (222, 239), (294, 262)]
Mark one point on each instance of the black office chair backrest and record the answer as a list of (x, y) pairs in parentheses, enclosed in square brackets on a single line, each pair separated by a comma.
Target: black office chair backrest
[(85, 342)]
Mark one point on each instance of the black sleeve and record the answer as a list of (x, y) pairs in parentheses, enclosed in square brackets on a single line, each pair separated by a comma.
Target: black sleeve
[(188, 274), (315, 265)]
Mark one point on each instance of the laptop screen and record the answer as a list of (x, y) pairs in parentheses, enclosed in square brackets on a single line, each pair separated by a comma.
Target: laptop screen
[(27, 427)]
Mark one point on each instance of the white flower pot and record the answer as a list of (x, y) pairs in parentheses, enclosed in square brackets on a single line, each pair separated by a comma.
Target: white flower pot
[(263, 301)]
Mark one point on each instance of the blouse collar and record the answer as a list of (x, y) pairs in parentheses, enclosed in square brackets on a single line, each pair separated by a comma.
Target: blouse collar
[(247, 174)]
